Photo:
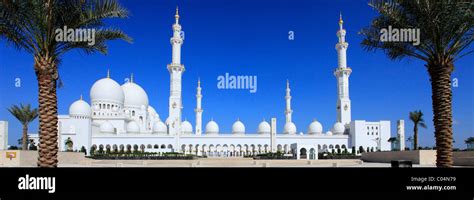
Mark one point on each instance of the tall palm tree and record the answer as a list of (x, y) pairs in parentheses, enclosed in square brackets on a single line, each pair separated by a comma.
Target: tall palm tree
[(32, 25), (446, 31), (417, 118), (24, 114)]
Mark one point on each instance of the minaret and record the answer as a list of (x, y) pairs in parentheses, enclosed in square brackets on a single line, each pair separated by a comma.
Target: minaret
[(342, 74), (288, 110), (176, 70), (198, 109)]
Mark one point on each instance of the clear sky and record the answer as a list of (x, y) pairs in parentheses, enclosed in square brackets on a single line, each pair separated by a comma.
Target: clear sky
[(250, 38)]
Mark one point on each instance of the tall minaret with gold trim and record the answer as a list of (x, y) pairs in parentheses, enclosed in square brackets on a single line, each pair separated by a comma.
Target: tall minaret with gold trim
[(176, 70), (288, 111), (198, 109), (342, 74)]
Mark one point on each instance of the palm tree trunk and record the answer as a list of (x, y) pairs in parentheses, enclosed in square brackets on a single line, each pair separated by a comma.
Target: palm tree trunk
[(415, 137), (25, 137), (442, 112), (48, 115)]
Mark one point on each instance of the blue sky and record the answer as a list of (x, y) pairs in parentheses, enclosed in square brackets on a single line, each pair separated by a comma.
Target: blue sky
[(250, 38)]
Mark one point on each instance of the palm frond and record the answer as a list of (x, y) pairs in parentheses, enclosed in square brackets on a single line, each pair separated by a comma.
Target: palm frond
[(446, 28)]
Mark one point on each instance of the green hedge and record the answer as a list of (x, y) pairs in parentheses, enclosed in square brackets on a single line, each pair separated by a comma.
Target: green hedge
[(141, 156), (337, 156)]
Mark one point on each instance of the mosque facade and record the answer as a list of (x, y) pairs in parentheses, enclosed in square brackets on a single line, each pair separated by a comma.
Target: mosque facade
[(119, 117)]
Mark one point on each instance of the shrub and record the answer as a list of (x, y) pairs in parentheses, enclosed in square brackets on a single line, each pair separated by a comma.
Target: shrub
[(83, 149), (92, 150), (361, 149)]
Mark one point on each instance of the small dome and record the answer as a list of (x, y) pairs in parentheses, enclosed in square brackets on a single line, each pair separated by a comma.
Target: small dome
[(264, 128), (80, 108), (108, 90), (135, 96), (315, 128), (212, 127), (186, 127), (132, 127), (290, 128), (159, 127), (107, 127), (238, 127), (338, 128), (329, 133)]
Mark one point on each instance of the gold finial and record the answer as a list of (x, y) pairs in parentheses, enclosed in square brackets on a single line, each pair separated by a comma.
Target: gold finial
[(340, 18), (199, 82), (131, 78), (81, 96), (108, 73), (176, 16)]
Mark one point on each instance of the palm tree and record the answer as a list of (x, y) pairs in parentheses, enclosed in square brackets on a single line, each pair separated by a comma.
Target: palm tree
[(446, 31), (24, 114), (32, 26), (417, 118)]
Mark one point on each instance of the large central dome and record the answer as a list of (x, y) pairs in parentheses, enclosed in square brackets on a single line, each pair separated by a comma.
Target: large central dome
[(108, 90), (135, 96)]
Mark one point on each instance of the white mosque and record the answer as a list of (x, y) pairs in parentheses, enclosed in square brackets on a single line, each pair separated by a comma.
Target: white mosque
[(119, 117)]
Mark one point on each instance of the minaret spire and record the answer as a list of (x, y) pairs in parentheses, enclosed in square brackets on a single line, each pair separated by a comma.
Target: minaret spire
[(340, 21), (108, 73), (288, 110), (198, 109), (131, 78), (176, 16), (342, 74)]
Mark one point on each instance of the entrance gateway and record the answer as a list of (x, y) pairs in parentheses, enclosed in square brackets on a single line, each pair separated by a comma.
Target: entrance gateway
[(305, 151)]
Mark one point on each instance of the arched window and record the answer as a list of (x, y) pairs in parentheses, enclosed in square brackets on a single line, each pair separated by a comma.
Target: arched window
[(156, 146), (163, 146), (303, 153), (142, 147), (135, 147), (149, 146)]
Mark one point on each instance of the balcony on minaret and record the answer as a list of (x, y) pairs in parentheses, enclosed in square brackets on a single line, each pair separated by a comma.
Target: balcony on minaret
[(342, 71), (176, 67)]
